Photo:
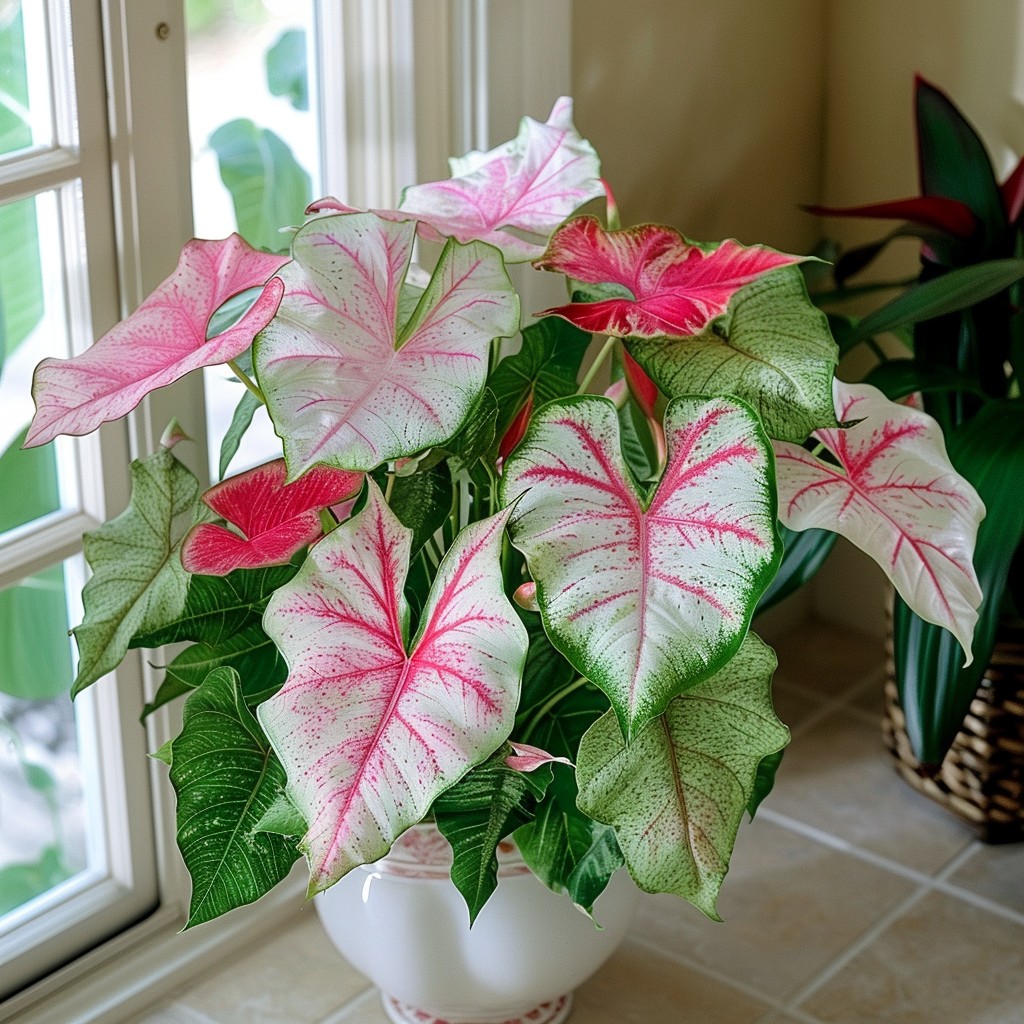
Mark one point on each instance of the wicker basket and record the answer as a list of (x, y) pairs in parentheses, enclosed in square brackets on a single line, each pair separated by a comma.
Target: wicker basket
[(982, 777)]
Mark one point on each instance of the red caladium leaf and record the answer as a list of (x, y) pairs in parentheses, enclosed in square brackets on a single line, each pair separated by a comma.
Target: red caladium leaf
[(275, 518), (369, 734), (529, 185), (670, 287), (346, 383), (161, 341), (896, 496), (645, 596), (949, 215)]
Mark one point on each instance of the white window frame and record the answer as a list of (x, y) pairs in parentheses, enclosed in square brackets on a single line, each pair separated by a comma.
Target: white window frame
[(451, 75)]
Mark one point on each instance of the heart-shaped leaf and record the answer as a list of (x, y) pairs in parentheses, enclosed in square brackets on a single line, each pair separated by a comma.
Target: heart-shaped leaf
[(676, 794), (670, 287), (370, 735), (645, 595), (275, 518), (893, 492), (137, 583), (529, 185), (346, 383), (226, 777), (773, 349), (161, 341)]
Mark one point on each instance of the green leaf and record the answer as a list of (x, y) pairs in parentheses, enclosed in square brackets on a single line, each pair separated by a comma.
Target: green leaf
[(772, 348), (250, 652), (897, 378), (676, 795), (23, 881), (226, 778), (476, 438), (803, 554), (268, 187), (138, 584), (546, 367), (217, 607), (422, 502), (764, 783), (935, 690), (240, 421), (282, 818), (286, 68), (565, 848), (480, 810), (956, 290)]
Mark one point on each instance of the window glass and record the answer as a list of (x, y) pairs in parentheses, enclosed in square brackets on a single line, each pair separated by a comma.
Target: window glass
[(25, 118), (255, 156)]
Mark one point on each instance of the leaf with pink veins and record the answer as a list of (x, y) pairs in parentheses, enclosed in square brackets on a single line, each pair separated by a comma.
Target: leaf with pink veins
[(346, 382), (645, 596), (370, 735), (669, 286), (526, 186), (275, 519), (895, 494), (164, 339)]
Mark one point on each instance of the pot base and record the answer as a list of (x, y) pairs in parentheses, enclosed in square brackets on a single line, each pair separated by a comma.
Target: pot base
[(553, 1012)]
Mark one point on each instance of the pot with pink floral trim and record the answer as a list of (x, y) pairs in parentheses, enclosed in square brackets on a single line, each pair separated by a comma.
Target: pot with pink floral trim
[(404, 924), (503, 575)]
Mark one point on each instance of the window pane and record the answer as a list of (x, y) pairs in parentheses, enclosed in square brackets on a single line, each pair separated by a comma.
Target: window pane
[(256, 159), (24, 95), (32, 325), (42, 832)]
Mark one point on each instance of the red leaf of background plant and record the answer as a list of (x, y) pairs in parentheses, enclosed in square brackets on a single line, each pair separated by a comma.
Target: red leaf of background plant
[(275, 518), (673, 288), (161, 341), (948, 215)]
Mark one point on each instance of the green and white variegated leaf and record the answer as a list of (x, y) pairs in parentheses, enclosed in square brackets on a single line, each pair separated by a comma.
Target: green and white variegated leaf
[(645, 595), (137, 583), (226, 777), (676, 795), (350, 384), (479, 811), (772, 348)]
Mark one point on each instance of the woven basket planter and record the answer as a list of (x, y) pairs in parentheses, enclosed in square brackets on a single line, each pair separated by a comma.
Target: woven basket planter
[(981, 778)]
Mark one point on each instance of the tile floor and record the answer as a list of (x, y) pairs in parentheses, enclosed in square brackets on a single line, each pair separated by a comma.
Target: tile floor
[(851, 900)]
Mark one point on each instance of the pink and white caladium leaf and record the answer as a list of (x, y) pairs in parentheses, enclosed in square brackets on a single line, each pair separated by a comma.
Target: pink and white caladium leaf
[(275, 519), (527, 758), (371, 731), (676, 795), (645, 595), (669, 286), (350, 385), (525, 187), (162, 340), (896, 496)]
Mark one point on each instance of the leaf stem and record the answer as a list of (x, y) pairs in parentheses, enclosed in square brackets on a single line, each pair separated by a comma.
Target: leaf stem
[(596, 365), (543, 710), (246, 380)]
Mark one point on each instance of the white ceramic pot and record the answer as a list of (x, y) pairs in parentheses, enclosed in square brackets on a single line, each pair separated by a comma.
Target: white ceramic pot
[(403, 923)]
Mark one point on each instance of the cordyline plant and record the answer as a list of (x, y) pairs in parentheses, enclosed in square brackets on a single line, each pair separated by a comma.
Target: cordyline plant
[(357, 663), (961, 319)]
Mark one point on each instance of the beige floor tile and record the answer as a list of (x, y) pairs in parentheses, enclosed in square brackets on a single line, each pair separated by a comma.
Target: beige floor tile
[(790, 906), (792, 705), (296, 977), (943, 962), (836, 776), (995, 872), (825, 660), (365, 1009), (638, 987)]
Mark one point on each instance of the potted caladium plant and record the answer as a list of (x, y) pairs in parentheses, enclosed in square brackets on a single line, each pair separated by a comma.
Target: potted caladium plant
[(960, 319), (501, 579)]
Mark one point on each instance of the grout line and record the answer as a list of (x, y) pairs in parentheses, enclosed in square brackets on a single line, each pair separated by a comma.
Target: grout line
[(357, 1002)]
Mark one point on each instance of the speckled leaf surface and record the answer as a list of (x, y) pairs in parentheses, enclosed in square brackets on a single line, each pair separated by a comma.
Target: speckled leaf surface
[(226, 778), (645, 596), (676, 795), (669, 286), (772, 348), (138, 584), (164, 339), (349, 385), (530, 185), (895, 494), (369, 734)]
